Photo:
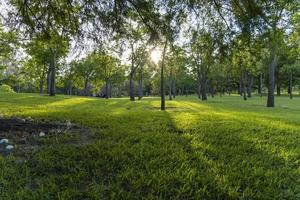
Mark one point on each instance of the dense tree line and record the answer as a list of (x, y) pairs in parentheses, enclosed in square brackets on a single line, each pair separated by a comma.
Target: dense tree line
[(201, 47)]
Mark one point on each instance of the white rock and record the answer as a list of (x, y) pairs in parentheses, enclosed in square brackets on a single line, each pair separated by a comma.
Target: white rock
[(1, 116), (4, 141), (9, 147), (69, 124), (58, 131), (22, 120), (29, 119), (42, 134)]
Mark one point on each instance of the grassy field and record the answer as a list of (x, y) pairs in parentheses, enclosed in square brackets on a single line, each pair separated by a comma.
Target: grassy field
[(225, 148)]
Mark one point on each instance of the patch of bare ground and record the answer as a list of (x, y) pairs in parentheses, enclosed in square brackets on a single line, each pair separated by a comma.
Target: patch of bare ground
[(28, 135)]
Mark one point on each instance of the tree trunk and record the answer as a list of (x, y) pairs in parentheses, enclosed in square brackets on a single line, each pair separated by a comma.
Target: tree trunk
[(278, 83), (291, 85), (110, 88), (53, 72), (119, 91), (199, 88), (41, 86), (245, 92), (174, 88), (203, 87), (270, 101), (249, 86), (131, 81), (260, 85), (170, 90), (48, 80), (241, 84), (199, 82), (70, 89), (278, 89), (170, 83), (212, 91), (140, 83), (106, 88), (42, 79), (86, 88), (162, 81), (244, 85)]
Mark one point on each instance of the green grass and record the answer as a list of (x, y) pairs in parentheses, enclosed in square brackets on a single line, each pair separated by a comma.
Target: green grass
[(225, 148)]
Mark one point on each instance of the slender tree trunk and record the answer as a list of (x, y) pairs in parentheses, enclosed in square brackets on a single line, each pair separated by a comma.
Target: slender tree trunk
[(131, 87), (162, 81), (199, 89), (42, 79), (212, 91), (174, 88), (203, 87), (244, 92), (48, 80), (110, 88), (244, 84), (278, 89), (170, 83), (119, 91), (53, 72), (270, 101), (241, 84), (291, 85), (170, 90), (70, 89), (86, 87), (278, 84), (249, 86), (41, 86), (106, 89), (140, 83), (260, 87), (131, 81)]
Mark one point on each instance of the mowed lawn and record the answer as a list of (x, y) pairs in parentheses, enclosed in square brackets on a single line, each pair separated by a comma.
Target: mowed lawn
[(225, 148)]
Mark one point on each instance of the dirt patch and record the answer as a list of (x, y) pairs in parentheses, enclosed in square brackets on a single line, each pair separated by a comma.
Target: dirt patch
[(18, 136)]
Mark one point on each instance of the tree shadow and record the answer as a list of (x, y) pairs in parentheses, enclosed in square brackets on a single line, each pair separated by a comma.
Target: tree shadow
[(142, 152)]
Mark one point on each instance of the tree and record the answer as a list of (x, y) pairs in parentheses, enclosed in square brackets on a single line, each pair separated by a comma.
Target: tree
[(51, 22)]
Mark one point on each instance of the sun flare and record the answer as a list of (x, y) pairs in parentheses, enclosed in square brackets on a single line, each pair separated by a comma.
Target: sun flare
[(155, 55)]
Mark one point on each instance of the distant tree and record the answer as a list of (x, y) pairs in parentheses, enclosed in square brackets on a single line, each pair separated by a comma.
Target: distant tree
[(51, 22)]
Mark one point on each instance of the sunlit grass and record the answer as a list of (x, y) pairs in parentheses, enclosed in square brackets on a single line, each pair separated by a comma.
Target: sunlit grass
[(225, 148)]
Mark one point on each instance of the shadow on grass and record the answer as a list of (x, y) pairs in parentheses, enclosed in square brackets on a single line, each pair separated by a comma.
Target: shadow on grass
[(149, 154)]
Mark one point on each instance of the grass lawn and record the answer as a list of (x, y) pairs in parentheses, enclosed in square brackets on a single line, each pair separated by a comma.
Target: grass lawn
[(225, 148)]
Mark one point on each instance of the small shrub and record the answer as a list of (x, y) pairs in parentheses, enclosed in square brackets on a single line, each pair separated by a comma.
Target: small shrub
[(6, 89)]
